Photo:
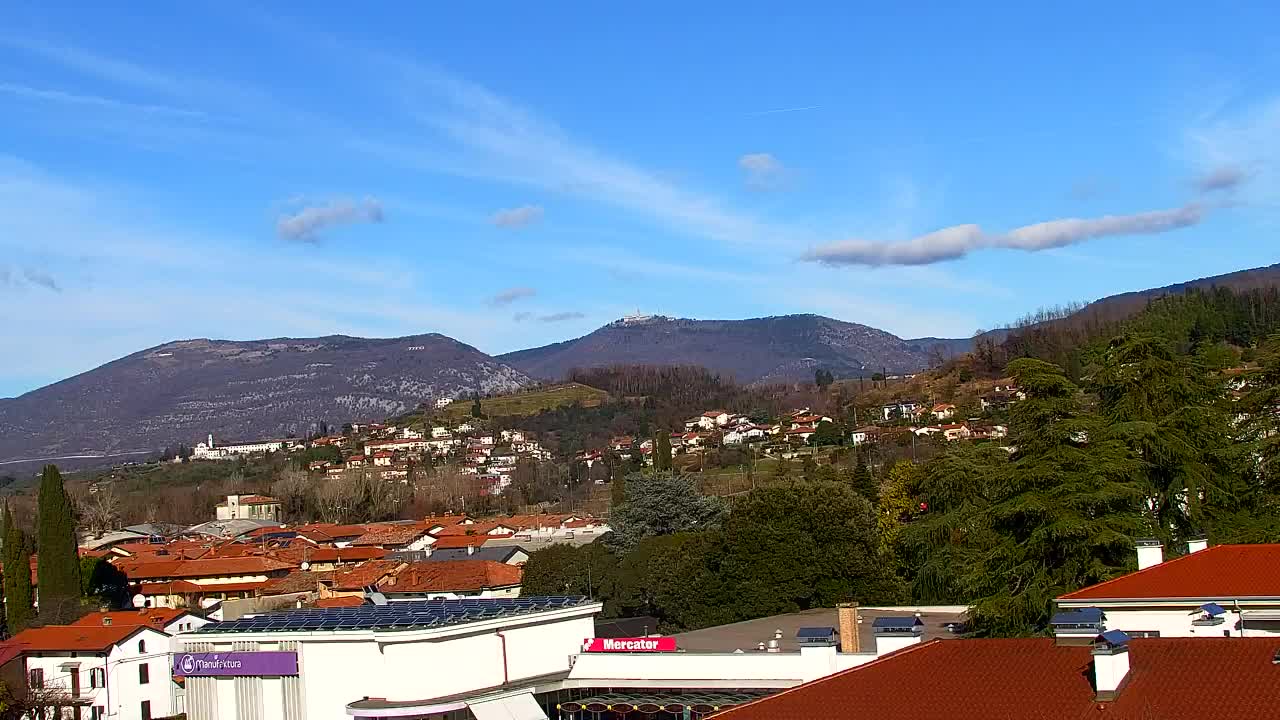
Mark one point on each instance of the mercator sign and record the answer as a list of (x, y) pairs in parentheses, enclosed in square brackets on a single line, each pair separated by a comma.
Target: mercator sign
[(645, 644)]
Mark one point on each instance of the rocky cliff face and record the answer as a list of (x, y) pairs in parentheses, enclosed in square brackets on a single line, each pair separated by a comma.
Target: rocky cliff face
[(181, 391), (787, 347)]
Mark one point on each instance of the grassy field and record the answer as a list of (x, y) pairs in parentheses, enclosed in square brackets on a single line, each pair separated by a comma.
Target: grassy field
[(529, 403)]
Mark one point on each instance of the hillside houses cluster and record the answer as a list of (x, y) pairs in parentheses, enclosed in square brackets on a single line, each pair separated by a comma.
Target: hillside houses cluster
[(389, 452)]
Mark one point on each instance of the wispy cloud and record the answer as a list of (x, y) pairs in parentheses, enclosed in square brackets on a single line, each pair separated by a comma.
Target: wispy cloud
[(26, 277), (777, 111), (42, 279), (306, 224), (551, 318), (957, 241), (517, 217), (509, 143), (510, 295), (1224, 177), (561, 317), (68, 98), (763, 171)]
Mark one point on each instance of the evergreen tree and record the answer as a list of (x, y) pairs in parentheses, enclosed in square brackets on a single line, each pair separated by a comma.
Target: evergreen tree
[(661, 503), (476, 410), (17, 575), (863, 483), (662, 450), (58, 569), (617, 491)]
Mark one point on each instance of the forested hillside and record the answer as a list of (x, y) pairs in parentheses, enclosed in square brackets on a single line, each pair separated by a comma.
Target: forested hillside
[(1163, 425)]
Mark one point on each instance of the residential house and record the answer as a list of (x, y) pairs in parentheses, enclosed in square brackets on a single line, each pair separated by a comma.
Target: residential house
[(383, 458), (943, 411), (452, 580), (1210, 592), (170, 621), (185, 583), (800, 434), (352, 582), (899, 409), (440, 432), (355, 461), (248, 507), (510, 554), (108, 671), (411, 536)]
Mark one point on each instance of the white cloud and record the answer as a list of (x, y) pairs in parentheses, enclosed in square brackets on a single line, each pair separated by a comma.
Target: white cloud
[(517, 217), (561, 317), (957, 241), (1224, 177), (763, 171), (510, 295), (307, 223)]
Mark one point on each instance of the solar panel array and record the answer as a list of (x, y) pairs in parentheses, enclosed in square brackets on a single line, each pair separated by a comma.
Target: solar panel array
[(412, 615)]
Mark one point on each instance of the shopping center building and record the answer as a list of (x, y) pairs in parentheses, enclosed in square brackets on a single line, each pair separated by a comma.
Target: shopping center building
[(501, 659)]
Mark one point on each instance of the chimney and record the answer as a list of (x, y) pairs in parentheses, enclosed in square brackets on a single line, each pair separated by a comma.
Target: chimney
[(1196, 544), (1110, 664), (106, 619), (471, 549), (848, 615), (775, 643), (1150, 553)]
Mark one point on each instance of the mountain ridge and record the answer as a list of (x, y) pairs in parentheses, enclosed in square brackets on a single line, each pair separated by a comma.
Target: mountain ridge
[(752, 350), (179, 391)]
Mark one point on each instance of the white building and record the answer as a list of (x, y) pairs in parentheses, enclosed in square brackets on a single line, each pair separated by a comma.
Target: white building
[(112, 671), (481, 659), (248, 507), (1217, 591), (443, 402), (207, 450)]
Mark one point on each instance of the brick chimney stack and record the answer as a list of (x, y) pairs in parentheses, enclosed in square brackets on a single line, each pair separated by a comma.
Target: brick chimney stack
[(849, 640)]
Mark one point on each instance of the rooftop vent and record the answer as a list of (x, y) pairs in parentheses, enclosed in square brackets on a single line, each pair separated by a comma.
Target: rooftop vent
[(1078, 627), (909, 625), (817, 636)]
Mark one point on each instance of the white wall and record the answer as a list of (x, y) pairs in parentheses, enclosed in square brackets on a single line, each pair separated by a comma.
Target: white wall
[(337, 668), (123, 695), (711, 670)]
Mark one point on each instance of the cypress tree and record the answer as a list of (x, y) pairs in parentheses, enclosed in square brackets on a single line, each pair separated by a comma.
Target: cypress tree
[(662, 450), (17, 575), (58, 567)]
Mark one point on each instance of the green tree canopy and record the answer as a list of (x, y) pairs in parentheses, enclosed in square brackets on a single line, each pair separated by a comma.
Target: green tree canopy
[(661, 503)]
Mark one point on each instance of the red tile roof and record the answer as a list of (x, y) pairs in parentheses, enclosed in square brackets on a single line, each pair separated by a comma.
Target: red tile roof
[(365, 574), (85, 638), (1221, 571), (258, 500), (152, 617), (1033, 679), (296, 582), (444, 542), (384, 535), (137, 569), (328, 532), (345, 601), (452, 576)]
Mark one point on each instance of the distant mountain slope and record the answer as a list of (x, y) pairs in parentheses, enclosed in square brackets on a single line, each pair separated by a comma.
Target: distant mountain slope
[(180, 391), (786, 347), (1118, 307)]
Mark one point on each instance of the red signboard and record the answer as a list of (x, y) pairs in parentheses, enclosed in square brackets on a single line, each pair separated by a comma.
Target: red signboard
[(643, 644)]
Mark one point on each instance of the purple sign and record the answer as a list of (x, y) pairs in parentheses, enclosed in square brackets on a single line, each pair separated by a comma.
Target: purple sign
[(235, 663)]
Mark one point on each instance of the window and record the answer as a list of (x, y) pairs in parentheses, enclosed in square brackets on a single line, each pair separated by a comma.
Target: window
[(96, 712), (1142, 633), (35, 678), (97, 677), (144, 674), (146, 710), (142, 646)]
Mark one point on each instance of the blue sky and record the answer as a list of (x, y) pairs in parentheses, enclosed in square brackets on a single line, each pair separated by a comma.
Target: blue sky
[(512, 175)]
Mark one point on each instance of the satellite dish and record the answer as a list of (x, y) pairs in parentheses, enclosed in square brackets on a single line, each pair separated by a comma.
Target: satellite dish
[(139, 600), (305, 565)]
